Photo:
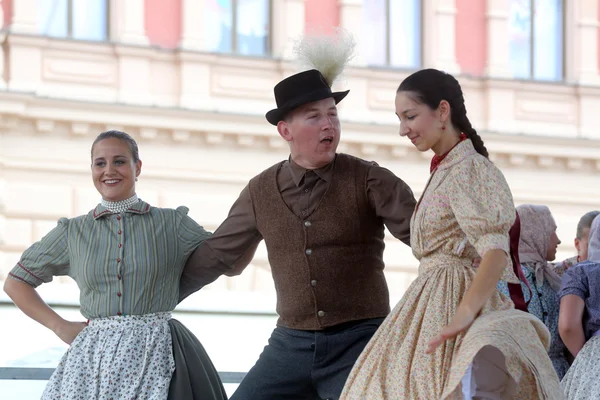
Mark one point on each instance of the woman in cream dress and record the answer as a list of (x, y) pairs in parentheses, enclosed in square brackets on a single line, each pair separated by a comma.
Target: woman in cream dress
[(452, 335)]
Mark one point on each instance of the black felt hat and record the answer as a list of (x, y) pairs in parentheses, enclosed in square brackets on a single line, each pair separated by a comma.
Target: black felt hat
[(297, 90)]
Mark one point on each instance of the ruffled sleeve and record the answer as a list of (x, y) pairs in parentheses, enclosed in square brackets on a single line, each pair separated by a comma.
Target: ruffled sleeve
[(190, 233), (482, 203), (45, 259)]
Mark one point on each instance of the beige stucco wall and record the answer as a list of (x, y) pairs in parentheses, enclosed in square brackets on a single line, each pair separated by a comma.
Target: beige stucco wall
[(199, 121)]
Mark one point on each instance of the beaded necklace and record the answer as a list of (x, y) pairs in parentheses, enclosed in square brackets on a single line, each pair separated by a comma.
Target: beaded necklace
[(117, 207)]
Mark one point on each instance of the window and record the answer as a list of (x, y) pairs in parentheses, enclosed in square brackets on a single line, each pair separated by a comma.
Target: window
[(536, 39), (392, 32), (237, 26), (85, 20)]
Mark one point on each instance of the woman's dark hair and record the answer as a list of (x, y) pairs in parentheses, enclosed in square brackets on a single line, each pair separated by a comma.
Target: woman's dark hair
[(430, 87), (133, 147), (586, 222)]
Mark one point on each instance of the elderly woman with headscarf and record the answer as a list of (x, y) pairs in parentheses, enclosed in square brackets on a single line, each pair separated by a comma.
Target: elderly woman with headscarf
[(537, 247), (579, 321)]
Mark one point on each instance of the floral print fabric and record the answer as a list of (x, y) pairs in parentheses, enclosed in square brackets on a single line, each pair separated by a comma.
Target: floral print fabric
[(465, 211), (125, 358)]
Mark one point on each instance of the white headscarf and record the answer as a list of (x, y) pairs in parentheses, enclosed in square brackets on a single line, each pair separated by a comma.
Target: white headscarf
[(537, 225)]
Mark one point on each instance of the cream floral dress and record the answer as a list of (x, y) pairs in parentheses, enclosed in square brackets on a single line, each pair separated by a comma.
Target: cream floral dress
[(466, 210)]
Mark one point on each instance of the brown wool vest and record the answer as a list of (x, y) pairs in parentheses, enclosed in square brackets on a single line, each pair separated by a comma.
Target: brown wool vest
[(327, 267)]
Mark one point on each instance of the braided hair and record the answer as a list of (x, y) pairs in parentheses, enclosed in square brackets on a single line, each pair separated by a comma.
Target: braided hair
[(430, 87)]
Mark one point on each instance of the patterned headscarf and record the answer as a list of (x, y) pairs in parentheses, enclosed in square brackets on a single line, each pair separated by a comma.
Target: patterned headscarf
[(594, 242), (537, 225)]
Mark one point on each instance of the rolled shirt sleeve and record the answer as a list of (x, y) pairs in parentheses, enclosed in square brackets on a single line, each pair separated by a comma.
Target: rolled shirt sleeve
[(393, 201)]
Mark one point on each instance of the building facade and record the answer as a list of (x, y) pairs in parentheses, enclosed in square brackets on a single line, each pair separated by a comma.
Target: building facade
[(191, 80)]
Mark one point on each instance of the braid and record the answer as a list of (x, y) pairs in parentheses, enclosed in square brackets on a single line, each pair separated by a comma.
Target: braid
[(430, 87), (461, 121)]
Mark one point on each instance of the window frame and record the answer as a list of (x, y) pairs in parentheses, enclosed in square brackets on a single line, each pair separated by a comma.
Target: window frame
[(69, 18), (234, 31), (388, 38), (532, 45)]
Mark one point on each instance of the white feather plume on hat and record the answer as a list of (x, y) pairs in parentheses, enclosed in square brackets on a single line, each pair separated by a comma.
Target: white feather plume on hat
[(328, 54)]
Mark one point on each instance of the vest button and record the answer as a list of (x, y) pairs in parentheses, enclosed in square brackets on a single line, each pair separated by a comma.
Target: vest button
[(308, 252), (313, 282), (307, 223), (321, 313)]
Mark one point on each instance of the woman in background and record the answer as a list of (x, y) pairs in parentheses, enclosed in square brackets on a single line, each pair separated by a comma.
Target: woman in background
[(579, 321), (537, 247)]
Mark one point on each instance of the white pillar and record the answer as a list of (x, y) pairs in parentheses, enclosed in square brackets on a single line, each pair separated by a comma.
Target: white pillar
[(3, 231), (194, 68), (128, 28), (497, 39), (134, 75), (288, 26), (24, 18), (582, 34), (25, 61), (194, 78), (192, 21), (443, 48), (127, 22), (2, 58), (351, 19)]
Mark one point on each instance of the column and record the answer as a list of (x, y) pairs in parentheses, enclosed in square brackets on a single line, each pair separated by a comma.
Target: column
[(288, 26), (2, 58), (497, 65), (25, 59), (442, 52), (127, 22), (24, 18), (3, 195), (192, 17), (127, 28), (583, 35), (194, 68), (351, 19)]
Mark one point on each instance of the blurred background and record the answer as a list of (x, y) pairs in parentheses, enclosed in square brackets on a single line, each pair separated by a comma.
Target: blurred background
[(191, 81)]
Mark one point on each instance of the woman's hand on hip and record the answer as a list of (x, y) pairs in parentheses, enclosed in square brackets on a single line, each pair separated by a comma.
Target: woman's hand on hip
[(67, 331)]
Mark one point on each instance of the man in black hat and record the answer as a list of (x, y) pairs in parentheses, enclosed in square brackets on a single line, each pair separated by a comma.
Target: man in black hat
[(322, 216)]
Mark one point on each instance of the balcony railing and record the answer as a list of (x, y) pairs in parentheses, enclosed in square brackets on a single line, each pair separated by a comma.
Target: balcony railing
[(43, 374)]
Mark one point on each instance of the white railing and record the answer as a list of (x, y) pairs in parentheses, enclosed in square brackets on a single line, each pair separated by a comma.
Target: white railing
[(43, 374)]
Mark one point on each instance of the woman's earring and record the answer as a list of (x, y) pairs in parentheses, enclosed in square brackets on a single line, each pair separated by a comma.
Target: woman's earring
[(443, 127), (136, 178)]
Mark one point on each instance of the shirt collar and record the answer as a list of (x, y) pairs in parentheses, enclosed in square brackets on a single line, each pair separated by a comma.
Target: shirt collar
[(298, 172), (460, 152), (141, 207)]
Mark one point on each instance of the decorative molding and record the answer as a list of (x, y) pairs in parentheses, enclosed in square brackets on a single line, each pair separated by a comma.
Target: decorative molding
[(545, 107), (90, 69), (253, 84), (59, 117)]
